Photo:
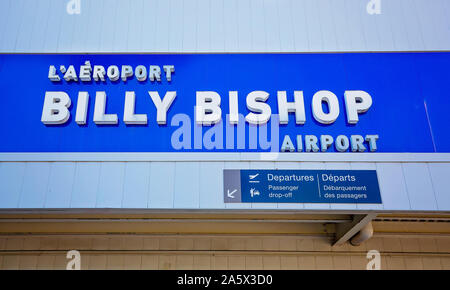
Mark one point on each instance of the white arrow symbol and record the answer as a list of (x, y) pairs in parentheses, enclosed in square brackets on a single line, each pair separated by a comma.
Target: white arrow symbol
[(230, 194)]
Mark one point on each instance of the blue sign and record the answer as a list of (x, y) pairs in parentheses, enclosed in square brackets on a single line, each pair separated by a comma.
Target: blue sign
[(301, 186), (409, 92)]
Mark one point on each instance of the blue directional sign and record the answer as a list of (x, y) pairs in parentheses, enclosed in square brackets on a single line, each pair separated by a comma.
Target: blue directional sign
[(301, 186)]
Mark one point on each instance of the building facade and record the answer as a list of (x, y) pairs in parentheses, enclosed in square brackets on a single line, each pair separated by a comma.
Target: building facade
[(132, 208)]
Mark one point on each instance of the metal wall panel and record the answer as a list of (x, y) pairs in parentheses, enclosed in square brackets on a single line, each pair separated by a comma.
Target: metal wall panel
[(162, 180), (35, 185), (223, 26), (211, 181), (420, 189), (394, 193), (110, 185), (60, 180), (85, 186), (199, 185), (187, 185), (314, 165), (136, 184), (11, 179)]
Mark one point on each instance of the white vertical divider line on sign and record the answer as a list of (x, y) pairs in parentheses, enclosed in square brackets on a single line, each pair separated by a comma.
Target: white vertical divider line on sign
[(314, 166), (340, 166)]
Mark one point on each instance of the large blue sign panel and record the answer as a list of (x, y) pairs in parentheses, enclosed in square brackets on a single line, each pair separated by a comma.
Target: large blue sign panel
[(301, 186), (408, 112)]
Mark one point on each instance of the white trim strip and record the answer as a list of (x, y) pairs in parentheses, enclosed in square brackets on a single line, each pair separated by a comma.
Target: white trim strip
[(212, 156)]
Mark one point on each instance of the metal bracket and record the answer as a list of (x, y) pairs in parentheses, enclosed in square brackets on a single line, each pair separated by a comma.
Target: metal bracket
[(346, 231)]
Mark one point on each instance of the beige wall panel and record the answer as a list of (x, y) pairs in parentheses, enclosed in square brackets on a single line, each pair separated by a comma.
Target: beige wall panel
[(221, 252)]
